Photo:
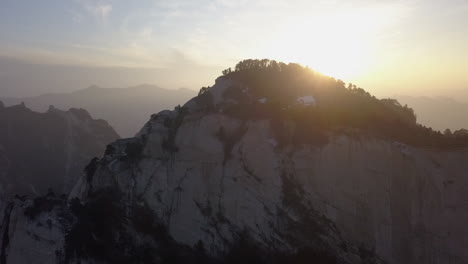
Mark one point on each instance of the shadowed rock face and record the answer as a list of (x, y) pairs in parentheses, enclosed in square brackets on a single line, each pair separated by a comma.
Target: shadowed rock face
[(39, 151), (204, 184), (208, 176)]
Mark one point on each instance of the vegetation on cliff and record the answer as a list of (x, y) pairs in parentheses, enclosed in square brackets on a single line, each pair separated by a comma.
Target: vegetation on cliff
[(270, 90)]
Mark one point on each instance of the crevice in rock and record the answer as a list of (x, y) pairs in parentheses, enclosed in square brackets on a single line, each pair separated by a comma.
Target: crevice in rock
[(5, 232)]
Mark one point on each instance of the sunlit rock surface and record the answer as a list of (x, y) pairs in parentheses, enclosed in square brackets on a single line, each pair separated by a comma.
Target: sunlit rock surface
[(403, 203)]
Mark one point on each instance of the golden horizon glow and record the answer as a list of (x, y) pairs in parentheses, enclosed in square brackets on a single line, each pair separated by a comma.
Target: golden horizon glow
[(339, 44), (387, 47)]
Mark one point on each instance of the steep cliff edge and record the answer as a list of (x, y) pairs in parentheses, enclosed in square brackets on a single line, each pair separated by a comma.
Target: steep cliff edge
[(277, 165), (42, 151)]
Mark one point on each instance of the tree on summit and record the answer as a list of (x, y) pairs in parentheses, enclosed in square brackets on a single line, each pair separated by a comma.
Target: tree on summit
[(227, 71)]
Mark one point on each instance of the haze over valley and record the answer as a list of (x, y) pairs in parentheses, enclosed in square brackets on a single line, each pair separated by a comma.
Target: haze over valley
[(126, 109)]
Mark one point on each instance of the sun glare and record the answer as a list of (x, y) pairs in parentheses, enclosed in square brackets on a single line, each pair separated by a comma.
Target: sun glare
[(341, 44)]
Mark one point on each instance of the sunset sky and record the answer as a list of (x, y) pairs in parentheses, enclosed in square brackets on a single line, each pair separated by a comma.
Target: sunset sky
[(387, 47)]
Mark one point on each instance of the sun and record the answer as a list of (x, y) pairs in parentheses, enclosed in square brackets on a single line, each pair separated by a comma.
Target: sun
[(340, 44)]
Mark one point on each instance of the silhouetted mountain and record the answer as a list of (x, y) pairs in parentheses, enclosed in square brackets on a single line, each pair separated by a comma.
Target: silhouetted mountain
[(126, 109), (26, 78), (42, 151), (439, 113), (275, 163)]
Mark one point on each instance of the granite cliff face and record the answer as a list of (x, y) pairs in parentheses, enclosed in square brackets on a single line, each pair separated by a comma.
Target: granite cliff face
[(237, 175), (42, 151)]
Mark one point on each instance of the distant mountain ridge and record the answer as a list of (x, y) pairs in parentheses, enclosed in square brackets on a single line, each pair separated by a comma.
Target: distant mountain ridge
[(126, 109), (42, 151), (439, 113)]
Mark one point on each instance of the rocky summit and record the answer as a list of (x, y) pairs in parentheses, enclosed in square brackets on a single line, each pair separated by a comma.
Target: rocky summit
[(274, 163)]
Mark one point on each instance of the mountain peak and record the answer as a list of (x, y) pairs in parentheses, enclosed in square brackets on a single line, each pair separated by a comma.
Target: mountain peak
[(277, 161), (316, 104), (269, 165)]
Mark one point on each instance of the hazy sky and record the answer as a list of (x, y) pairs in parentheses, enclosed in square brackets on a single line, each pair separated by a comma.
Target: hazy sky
[(387, 47)]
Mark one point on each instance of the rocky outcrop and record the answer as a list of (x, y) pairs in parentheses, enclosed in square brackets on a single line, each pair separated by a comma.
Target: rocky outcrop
[(42, 151), (209, 176), (205, 184), (33, 230)]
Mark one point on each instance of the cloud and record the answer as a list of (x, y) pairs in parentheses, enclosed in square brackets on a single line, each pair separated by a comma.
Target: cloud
[(76, 16), (100, 11), (146, 33)]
